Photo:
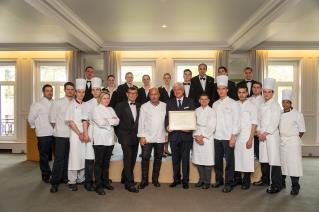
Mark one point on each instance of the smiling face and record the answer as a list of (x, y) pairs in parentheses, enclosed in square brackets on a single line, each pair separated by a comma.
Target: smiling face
[(69, 91), (268, 94), (131, 95), (256, 88), (110, 82), (222, 91), (80, 94), (248, 74), (178, 91), (202, 69), (96, 92), (154, 95), (286, 104), (129, 78), (105, 99), (187, 76), (242, 94), (203, 101), (146, 80), (89, 73), (48, 92), (167, 79)]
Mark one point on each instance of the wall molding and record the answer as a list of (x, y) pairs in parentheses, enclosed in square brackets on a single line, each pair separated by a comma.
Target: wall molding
[(288, 45)]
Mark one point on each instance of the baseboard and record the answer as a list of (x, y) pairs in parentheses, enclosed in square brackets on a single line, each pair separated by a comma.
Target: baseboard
[(310, 150), (16, 147)]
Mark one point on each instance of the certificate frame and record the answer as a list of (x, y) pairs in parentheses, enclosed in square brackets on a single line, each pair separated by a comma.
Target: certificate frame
[(182, 120)]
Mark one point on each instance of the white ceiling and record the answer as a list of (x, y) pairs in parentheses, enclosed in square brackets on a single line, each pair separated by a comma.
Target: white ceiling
[(92, 25)]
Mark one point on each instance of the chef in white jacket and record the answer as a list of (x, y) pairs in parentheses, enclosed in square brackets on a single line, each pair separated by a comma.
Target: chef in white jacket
[(103, 119), (88, 108), (268, 133), (203, 155), (291, 128), (244, 148), (74, 117), (39, 119)]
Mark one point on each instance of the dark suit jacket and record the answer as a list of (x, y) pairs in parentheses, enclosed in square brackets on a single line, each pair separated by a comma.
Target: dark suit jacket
[(88, 93), (232, 91), (126, 131), (121, 92), (243, 82), (142, 98), (164, 97), (171, 105), (198, 90)]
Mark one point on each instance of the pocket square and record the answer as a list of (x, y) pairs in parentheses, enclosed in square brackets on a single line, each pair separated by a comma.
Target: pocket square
[(186, 107)]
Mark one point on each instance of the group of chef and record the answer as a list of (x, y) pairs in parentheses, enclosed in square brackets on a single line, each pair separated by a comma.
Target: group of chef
[(80, 132)]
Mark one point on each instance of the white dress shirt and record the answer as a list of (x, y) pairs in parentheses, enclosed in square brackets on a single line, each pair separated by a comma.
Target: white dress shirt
[(227, 112), (133, 109), (57, 117), (151, 123), (248, 83), (186, 89), (202, 81), (168, 89), (39, 117)]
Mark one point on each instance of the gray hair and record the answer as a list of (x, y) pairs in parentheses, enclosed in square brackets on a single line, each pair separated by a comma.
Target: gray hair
[(178, 84)]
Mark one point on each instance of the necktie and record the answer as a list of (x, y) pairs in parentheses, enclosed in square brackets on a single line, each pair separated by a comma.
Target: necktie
[(179, 103)]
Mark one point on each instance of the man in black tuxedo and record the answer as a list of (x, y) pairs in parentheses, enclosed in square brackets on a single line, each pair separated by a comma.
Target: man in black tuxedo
[(122, 89), (232, 88), (128, 113), (188, 89), (248, 81), (89, 74), (181, 142), (202, 84)]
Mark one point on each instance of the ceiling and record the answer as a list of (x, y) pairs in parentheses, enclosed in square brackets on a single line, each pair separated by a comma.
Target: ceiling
[(136, 24)]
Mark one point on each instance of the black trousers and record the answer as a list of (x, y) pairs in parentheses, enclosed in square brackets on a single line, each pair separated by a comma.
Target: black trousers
[(294, 182), (45, 147), (242, 177), (129, 159), (102, 163), (88, 171), (256, 147), (181, 155), (222, 150), (61, 160), (276, 177), (146, 155)]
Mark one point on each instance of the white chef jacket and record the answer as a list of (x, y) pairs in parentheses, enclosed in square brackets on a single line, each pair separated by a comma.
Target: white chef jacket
[(205, 125), (291, 124), (269, 152), (57, 116), (257, 101), (227, 118), (39, 117), (244, 158), (151, 123), (103, 120)]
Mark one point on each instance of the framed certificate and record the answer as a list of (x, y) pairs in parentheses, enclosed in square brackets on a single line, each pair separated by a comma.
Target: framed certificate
[(182, 120)]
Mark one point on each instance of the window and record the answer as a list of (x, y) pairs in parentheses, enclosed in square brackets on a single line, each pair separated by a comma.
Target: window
[(7, 99), (53, 73), (180, 66), (138, 69), (286, 75)]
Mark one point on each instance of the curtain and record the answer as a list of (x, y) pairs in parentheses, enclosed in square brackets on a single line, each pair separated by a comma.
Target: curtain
[(75, 64), (112, 63), (258, 60), (222, 59)]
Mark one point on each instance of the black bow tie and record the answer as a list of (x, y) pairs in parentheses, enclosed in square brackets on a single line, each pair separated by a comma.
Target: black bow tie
[(132, 103), (88, 81), (186, 83), (248, 80), (202, 78)]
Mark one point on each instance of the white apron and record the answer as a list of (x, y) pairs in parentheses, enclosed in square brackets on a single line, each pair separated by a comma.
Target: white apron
[(77, 148), (244, 158), (88, 110), (206, 124)]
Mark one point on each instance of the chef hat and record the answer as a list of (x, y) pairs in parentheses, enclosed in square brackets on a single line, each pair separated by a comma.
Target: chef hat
[(96, 82), (80, 84), (222, 80), (286, 94), (269, 83)]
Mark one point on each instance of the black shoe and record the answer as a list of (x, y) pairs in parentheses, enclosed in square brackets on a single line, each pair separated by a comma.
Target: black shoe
[(245, 187), (142, 185), (272, 190), (156, 184), (294, 192), (109, 181), (89, 187), (217, 184), (122, 181), (236, 183), (174, 184), (199, 184), (108, 186), (132, 189), (227, 189), (54, 189), (260, 183), (164, 156), (73, 187), (100, 191), (185, 186), (205, 186), (65, 181)]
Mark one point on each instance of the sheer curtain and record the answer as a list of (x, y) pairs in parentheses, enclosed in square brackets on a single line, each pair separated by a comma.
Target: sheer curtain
[(222, 59), (258, 60), (75, 64), (112, 63)]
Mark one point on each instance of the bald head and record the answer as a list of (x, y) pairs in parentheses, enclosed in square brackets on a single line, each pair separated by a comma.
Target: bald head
[(154, 95)]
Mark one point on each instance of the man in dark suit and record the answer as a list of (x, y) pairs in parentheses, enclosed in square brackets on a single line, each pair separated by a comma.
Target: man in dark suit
[(188, 89), (128, 113), (232, 88), (122, 89), (248, 81), (181, 142), (202, 84), (89, 74)]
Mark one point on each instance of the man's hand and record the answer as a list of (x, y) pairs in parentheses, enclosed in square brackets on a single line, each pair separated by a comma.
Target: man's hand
[(168, 130), (199, 139), (232, 141), (249, 143), (143, 141)]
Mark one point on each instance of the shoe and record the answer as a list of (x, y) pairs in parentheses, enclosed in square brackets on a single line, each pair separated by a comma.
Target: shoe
[(156, 183), (73, 187), (164, 155), (109, 181), (185, 186), (260, 183), (168, 153), (65, 181), (132, 189), (54, 189), (122, 181), (142, 185), (294, 192), (205, 186), (89, 187), (100, 191), (108, 186), (217, 184), (227, 189), (199, 184), (174, 184), (272, 190), (236, 183), (245, 187)]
